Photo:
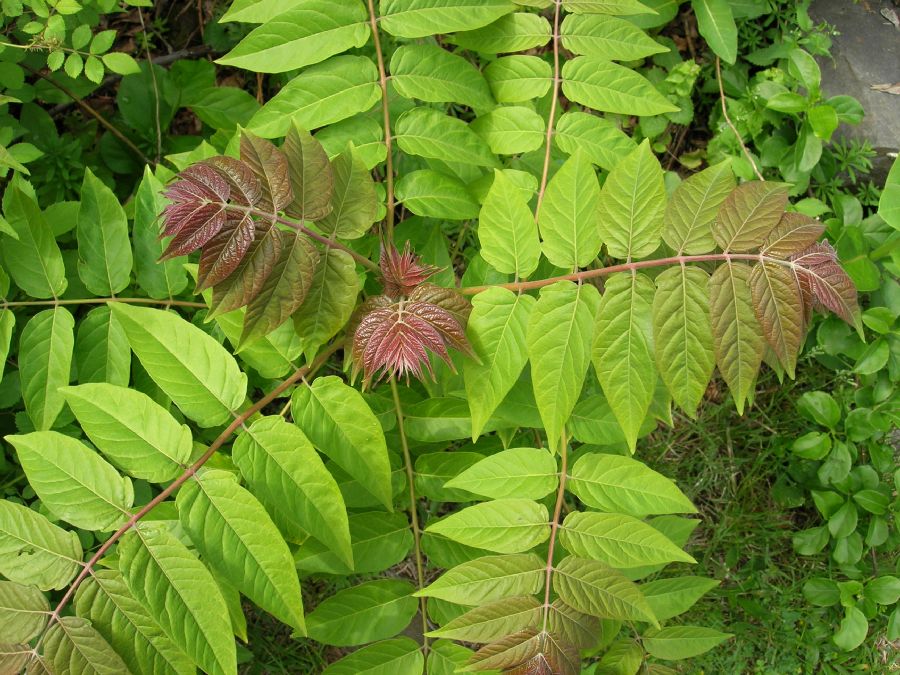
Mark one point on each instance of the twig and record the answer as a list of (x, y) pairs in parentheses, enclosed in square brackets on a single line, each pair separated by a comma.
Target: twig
[(553, 101), (388, 233), (90, 111), (554, 527), (730, 123), (102, 301)]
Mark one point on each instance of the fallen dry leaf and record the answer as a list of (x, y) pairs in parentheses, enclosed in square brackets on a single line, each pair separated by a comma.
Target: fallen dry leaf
[(887, 88)]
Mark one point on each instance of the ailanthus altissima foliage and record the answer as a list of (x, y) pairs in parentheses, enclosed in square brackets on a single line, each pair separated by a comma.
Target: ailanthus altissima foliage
[(588, 299)]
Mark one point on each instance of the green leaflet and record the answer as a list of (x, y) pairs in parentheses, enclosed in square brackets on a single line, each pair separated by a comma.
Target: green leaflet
[(568, 215), (310, 174), (632, 205), (779, 310), (32, 258), (518, 78), (671, 597), (237, 539), (73, 646), (159, 279), (354, 202), (45, 359), (623, 350), (102, 353), (579, 629), (272, 355), (511, 130), (365, 133), (889, 203), (609, 87), (593, 588), (435, 469), (507, 231), (691, 210), (180, 594), (380, 541), (74, 482), (301, 36), (134, 432), (517, 472), (104, 599), (737, 335), (492, 621), (682, 332), (104, 251), (606, 37), (559, 332), (284, 290), (285, 471), (419, 18), (447, 658), (35, 551), (23, 612), (489, 578), (748, 214), (617, 540), (436, 195), (371, 611), (7, 326), (716, 24), (516, 32), (496, 330), (389, 657), (614, 483), (682, 642), (329, 302), (601, 140), (194, 370), (340, 424), (623, 656), (322, 94), (620, 7), (432, 74), (502, 525), (427, 132)]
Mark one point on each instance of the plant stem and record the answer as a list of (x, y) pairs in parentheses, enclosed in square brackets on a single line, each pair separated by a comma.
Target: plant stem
[(93, 113), (102, 301), (554, 525), (553, 101), (238, 422), (413, 511), (730, 123), (385, 108), (628, 267)]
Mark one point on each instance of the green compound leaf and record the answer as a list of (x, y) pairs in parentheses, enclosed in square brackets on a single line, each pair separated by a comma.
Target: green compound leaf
[(593, 588), (102, 353), (73, 646), (371, 611), (301, 36), (421, 18), (489, 578), (427, 132), (388, 657), (622, 350), (519, 78), (716, 24), (180, 594), (607, 38), (164, 279), (35, 551), (502, 525), (632, 205), (104, 250), (507, 231), (492, 621), (568, 215), (618, 540), (558, 336), (436, 195), (23, 612), (692, 209), (601, 140), (73, 481), (515, 32), (511, 130), (238, 540), (682, 333), (194, 370), (131, 430), (45, 361), (104, 599), (496, 331), (670, 597), (518, 472), (432, 74), (682, 642), (336, 418), (609, 87), (287, 474), (737, 335), (620, 484)]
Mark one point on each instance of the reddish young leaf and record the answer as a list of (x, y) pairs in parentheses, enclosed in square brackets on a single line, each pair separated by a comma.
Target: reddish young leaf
[(511, 652), (247, 280), (779, 310), (793, 233), (271, 169), (224, 252), (197, 211), (445, 298), (452, 332), (817, 270), (245, 186), (402, 272), (748, 214)]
